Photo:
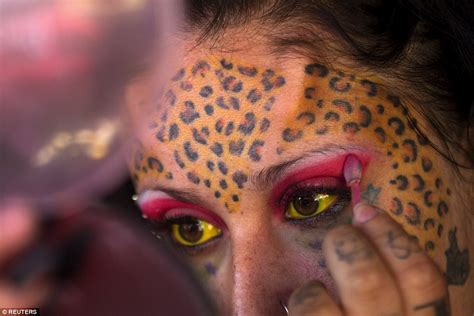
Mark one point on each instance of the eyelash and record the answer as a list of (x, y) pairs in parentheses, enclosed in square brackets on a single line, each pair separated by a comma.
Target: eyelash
[(162, 227), (331, 214)]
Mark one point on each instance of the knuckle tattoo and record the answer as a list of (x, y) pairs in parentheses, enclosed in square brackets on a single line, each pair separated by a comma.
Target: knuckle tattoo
[(351, 248), (401, 245), (309, 292)]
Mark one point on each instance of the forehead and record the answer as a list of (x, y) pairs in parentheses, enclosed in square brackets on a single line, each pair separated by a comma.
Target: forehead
[(222, 120), (214, 124), (220, 117)]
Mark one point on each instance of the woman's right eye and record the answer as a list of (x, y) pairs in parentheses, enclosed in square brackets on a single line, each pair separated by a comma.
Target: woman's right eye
[(191, 232), (308, 204)]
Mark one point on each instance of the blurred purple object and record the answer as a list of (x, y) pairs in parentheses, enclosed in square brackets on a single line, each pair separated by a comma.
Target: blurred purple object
[(64, 64), (114, 268), (63, 135)]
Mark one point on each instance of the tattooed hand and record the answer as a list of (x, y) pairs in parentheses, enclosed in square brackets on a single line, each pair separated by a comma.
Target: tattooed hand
[(378, 270)]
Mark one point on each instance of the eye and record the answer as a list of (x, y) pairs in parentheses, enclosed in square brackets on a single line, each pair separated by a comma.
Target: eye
[(191, 232), (308, 204)]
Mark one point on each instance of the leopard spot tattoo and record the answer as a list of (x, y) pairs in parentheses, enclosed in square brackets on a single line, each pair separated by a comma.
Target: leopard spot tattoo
[(308, 117), (254, 150), (310, 93), (380, 134), (428, 198), (155, 164), (236, 147), (247, 71), (248, 125), (351, 128), (343, 104), (317, 69), (429, 224), (190, 152), (412, 213), (426, 164), (365, 116), (254, 95), (420, 183), (206, 91), (189, 114), (397, 207), (193, 177), (264, 125), (201, 68), (240, 179), (442, 209), (401, 182), (371, 87), (173, 131), (397, 124), (410, 149), (338, 84), (179, 75), (290, 135), (331, 116), (186, 86)]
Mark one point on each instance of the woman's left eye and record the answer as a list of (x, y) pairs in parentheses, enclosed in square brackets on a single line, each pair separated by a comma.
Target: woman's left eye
[(194, 232), (308, 204)]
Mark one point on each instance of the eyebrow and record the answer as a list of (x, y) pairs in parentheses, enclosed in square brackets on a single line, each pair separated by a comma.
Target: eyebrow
[(183, 195), (269, 175), (258, 180)]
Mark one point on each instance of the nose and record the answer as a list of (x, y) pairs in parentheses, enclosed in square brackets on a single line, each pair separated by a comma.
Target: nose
[(261, 278)]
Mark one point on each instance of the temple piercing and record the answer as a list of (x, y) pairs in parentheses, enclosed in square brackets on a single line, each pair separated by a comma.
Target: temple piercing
[(284, 307)]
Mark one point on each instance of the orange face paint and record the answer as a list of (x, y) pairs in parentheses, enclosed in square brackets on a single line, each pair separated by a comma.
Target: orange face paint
[(220, 121)]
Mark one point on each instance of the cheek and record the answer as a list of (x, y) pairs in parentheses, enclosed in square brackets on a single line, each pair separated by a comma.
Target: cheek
[(404, 179), (415, 199)]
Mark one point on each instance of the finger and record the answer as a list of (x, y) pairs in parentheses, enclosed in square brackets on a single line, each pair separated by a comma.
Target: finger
[(422, 285), (17, 227), (312, 299), (365, 284)]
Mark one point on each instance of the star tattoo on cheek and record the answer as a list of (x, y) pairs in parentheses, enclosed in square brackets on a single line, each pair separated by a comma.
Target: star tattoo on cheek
[(359, 109)]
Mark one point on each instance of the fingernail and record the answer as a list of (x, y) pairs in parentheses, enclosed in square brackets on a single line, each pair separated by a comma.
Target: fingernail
[(364, 212)]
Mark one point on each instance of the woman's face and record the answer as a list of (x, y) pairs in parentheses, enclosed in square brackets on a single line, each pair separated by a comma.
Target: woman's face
[(241, 168)]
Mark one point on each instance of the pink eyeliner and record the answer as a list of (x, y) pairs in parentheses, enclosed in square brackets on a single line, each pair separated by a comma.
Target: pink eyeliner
[(352, 175), (160, 208)]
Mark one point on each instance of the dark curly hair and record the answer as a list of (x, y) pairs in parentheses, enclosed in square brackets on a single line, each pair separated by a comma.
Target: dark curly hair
[(428, 46)]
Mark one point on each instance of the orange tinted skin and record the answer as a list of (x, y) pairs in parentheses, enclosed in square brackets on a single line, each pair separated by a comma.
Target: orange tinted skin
[(208, 126), (223, 120)]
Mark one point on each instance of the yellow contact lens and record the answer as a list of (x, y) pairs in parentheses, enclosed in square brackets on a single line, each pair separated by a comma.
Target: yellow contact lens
[(194, 233), (308, 205)]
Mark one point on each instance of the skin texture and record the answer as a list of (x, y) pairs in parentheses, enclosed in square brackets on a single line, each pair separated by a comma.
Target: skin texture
[(226, 117)]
